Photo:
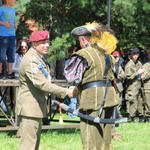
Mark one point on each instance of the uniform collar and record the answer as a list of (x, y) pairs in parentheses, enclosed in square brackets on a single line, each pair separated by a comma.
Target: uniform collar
[(41, 56)]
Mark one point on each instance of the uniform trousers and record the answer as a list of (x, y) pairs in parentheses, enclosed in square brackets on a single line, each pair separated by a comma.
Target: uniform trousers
[(119, 98), (147, 103), (96, 136), (30, 130), (134, 103)]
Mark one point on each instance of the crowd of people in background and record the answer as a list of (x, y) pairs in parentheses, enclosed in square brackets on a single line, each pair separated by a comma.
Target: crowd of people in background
[(135, 79), (131, 83)]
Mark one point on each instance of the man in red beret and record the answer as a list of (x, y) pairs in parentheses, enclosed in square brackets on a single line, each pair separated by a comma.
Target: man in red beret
[(35, 86), (39, 36)]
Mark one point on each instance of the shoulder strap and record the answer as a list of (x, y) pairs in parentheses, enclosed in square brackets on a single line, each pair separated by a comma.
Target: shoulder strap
[(107, 66)]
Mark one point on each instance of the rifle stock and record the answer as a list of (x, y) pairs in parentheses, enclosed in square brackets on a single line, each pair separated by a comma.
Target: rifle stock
[(87, 117)]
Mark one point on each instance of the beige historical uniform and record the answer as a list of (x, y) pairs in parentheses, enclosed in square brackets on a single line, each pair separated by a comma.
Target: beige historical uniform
[(134, 101), (146, 91), (31, 101), (96, 136), (118, 84)]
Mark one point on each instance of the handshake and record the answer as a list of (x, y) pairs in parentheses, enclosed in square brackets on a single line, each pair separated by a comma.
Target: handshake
[(72, 91)]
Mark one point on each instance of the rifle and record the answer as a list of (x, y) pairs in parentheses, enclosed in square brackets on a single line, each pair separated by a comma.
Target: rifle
[(87, 117)]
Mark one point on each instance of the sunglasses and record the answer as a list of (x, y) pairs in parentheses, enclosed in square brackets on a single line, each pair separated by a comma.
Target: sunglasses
[(24, 47), (116, 56)]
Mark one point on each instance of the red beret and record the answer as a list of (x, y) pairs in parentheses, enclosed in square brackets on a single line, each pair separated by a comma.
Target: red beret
[(39, 36), (116, 53)]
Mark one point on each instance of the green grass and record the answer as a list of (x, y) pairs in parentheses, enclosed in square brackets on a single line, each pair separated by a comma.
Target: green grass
[(134, 136)]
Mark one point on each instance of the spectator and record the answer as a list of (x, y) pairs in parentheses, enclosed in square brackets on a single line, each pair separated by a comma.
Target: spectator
[(146, 88), (22, 48), (118, 81), (8, 28), (134, 70)]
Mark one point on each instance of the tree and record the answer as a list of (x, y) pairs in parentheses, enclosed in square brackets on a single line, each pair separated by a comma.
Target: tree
[(129, 19), (131, 23), (60, 17)]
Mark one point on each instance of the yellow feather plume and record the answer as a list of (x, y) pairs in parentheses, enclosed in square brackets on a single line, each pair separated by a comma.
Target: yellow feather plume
[(101, 36)]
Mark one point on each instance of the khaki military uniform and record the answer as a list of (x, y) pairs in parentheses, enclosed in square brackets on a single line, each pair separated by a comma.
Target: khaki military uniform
[(146, 91), (134, 101), (32, 96), (96, 136), (118, 84)]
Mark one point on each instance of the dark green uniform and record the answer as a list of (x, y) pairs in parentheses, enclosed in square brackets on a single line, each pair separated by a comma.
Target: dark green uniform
[(96, 136), (133, 86), (146, 81), (118, 84)]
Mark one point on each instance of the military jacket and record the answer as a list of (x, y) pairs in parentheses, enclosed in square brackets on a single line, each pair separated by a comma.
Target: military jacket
[(91, 98), (146, 79), (131, 71), (35, 86), (119, 78)]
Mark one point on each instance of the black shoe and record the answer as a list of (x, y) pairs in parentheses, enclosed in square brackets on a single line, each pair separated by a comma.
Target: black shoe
[(141, 119), (133, 119), (129, 119), (11, 76), (2, 76), (147, 119)]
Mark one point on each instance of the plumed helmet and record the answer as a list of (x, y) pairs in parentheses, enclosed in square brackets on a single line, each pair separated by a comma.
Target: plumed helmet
[(100, 34)]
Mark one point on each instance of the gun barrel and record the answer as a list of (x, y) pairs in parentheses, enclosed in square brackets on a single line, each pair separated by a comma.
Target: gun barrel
[(90, 118)]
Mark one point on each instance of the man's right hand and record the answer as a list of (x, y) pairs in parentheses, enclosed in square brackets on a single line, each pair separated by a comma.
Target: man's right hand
[(72, 92)]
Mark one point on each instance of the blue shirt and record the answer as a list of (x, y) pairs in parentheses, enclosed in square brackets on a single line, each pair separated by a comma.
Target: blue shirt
[(7, 14)]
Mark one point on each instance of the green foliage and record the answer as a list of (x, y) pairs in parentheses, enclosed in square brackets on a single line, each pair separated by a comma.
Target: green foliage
[(20, 8), (129, 19), (131, 23), (59, 46)]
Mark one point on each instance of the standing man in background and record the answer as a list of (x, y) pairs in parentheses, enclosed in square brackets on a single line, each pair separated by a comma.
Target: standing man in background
[(133, 95), (146, 88), (91, 69), (118, 81), (35, 86), (8, 28)]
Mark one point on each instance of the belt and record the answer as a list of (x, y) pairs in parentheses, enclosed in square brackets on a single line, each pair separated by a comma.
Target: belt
[(101, 83)]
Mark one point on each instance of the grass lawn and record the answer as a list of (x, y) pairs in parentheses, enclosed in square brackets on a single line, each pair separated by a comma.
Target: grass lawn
[(134, 136)]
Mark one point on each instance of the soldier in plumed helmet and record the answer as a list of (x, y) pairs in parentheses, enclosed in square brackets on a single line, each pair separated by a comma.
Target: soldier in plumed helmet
[(91, 70)]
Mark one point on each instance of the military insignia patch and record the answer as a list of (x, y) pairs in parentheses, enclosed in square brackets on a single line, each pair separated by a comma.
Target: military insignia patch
[(35, 70)]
